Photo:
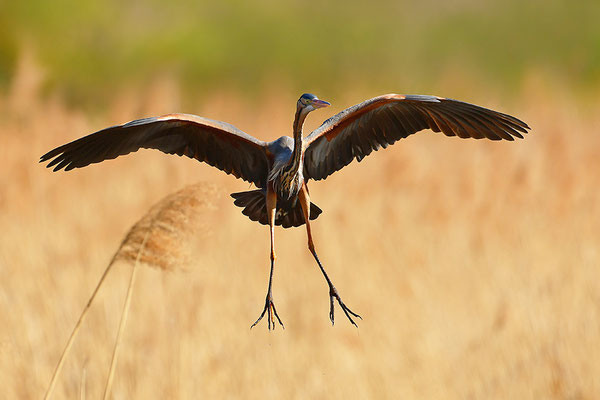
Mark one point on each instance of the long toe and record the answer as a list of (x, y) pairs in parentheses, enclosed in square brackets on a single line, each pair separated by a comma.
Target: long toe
[(271, 315), (259, 318), (276, 316), (347, 311), (331, 310)]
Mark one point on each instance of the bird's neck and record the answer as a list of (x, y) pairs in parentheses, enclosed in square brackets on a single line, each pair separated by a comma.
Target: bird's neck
[(298, 144)]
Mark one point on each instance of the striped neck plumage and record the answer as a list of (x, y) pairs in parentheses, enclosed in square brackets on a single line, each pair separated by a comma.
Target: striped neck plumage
[(298, 145)]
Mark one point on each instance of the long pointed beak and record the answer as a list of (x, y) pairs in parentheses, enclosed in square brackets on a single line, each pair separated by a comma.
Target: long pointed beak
[(317, 103)]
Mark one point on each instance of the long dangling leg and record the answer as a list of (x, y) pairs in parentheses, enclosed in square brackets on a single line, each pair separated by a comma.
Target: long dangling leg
[(333, 293), (269, 305)]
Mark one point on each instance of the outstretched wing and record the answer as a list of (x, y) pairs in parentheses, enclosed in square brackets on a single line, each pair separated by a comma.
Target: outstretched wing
[(381, 121), (217, 143)]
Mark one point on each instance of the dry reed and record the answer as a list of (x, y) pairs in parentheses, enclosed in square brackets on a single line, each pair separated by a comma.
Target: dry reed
[(159, 239), (171, 224)]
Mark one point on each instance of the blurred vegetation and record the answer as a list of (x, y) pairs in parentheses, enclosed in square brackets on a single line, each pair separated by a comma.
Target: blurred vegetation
[(92, 48)]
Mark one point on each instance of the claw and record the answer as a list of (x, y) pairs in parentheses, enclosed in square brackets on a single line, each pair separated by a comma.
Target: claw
[(333, 293), (271, 311)]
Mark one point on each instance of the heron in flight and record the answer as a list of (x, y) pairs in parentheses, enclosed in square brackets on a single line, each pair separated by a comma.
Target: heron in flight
[(281, 169)]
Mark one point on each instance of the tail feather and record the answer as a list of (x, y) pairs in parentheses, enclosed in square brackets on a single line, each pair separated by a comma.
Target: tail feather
[(254, 207)]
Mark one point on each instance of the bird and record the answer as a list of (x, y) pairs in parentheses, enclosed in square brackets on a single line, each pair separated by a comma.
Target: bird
[(281, 169)]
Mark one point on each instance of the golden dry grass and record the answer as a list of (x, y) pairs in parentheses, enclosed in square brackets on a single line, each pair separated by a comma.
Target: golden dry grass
[(474, 264)]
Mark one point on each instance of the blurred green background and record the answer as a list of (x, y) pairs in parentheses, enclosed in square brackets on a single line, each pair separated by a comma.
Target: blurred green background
[(90, 49), (474, 263)]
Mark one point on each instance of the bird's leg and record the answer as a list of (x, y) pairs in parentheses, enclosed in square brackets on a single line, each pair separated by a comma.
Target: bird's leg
[(269, 305), (333, 293)]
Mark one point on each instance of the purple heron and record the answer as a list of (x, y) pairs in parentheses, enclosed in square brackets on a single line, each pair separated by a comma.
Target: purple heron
[(281, 169)]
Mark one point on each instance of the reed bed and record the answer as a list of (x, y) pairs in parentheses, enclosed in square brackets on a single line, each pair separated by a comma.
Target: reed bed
[(473, 264)]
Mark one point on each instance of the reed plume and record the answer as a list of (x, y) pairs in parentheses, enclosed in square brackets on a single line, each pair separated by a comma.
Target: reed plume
[(170, 225)]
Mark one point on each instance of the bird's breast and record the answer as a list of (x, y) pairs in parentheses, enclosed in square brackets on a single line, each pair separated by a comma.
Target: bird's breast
[(287, 183)]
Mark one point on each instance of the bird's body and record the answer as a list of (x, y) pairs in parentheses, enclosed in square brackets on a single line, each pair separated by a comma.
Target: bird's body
[(282, 168), (286, 176)]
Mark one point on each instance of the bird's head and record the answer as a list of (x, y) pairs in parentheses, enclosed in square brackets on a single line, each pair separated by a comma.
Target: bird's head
[(309, 102)]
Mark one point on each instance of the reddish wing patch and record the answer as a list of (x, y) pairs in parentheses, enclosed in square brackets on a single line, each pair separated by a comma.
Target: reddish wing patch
[(376, 102)]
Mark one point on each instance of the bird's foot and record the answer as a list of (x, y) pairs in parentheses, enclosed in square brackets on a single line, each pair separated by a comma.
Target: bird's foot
[(333, 293), (271, 313)]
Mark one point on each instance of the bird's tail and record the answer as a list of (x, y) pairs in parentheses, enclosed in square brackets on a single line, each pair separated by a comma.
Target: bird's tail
[(254, 207)]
